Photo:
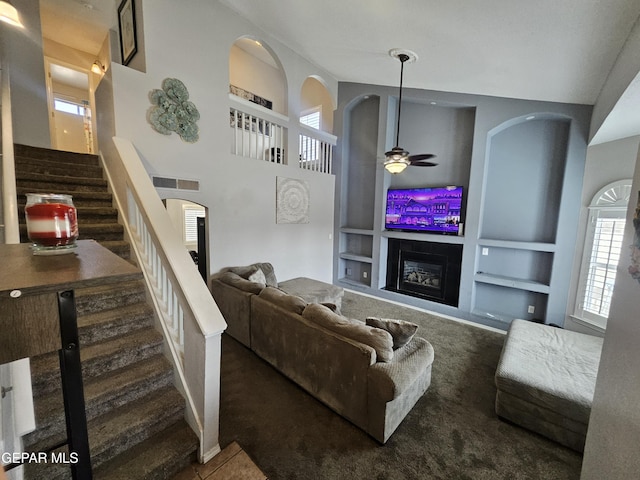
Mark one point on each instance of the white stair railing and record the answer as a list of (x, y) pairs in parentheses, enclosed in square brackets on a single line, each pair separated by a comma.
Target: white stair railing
[(189, 317)]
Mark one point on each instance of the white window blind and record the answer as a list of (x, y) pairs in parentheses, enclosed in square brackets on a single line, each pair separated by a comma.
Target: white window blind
[(311, 117), (603, 264), (602, 249), (191, 215)]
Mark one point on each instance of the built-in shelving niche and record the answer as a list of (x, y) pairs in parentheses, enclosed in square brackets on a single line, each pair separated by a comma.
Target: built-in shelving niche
[(521, 203), (356, 258), (359, 205), (516, 268), (355, 262)]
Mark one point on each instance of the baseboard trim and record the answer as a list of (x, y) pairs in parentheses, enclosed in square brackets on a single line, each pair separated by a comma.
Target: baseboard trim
[(206, 456)]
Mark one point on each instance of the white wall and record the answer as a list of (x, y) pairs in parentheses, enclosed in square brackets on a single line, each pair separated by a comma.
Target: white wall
[(239, 193), (605, 163), (624, 72)]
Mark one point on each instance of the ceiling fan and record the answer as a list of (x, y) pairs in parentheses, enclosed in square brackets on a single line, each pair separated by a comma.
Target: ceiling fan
[(397, 159)]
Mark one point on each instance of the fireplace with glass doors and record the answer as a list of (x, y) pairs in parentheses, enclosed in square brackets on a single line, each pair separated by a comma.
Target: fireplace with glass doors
[(426, 270)]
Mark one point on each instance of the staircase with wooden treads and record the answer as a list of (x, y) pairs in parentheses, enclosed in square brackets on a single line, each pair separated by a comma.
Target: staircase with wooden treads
[(135, 414)]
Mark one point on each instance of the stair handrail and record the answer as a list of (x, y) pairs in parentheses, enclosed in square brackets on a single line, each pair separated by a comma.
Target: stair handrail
[(190, 319)]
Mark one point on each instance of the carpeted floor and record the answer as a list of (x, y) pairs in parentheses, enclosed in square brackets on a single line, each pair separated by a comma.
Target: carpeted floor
[(451, 433)]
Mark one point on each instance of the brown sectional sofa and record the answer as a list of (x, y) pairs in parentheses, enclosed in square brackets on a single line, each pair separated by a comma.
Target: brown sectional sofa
[(337, 360)]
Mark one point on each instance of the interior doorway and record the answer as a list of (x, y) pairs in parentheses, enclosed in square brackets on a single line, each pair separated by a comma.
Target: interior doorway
[(190, 220), (70, 99)]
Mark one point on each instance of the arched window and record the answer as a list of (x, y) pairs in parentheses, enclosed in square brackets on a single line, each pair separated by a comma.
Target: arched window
[(602, 249)]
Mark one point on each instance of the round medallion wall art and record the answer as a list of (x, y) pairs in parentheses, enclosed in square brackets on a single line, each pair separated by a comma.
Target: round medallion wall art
[(292, 200), (173, 112)]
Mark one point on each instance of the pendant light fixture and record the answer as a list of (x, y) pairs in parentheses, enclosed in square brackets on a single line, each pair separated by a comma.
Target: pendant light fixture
[(9, 14), (397, 159)]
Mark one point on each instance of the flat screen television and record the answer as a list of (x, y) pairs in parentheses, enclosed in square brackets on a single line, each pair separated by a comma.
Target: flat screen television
[(432, 210)]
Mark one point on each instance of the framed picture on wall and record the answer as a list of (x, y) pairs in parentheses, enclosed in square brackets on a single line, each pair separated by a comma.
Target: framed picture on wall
[(127, 22)]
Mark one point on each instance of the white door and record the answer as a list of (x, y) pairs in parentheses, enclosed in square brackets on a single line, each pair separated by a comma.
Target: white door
[(70, 98)]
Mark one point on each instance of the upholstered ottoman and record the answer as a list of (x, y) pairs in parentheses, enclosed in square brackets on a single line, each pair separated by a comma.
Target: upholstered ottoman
[(313, 291), (545, 378)]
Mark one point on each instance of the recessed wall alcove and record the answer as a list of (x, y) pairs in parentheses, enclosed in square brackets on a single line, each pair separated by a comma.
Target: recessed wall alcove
[(524, 183), (362, 154), (444, 130), (254, 69), (523, 180)]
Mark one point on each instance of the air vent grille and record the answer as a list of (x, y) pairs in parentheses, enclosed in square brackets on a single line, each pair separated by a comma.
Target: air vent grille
[(175, 183)]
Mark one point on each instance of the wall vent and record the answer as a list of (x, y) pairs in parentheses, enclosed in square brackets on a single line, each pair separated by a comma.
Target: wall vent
[(175, 183)]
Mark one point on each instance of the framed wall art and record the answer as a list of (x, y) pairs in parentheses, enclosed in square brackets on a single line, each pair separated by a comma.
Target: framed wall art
[(127, 23)]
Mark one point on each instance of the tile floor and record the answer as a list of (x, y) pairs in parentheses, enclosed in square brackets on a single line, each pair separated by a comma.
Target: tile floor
[(232, 463)]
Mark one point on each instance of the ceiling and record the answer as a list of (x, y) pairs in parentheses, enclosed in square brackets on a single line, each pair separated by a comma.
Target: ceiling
[(81, 24), (551, 50)]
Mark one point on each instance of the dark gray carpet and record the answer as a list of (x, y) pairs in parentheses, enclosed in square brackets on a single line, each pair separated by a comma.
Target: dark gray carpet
[(451, 433)]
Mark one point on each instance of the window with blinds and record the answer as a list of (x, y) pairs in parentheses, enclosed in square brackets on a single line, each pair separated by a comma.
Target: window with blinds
[(310, 147), (602, 250), (190, 223), (311, 118), (603, 264)]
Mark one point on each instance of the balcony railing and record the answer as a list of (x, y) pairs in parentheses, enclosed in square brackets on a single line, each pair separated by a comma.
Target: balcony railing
[(316, 150), (256, 137), (263, 136)]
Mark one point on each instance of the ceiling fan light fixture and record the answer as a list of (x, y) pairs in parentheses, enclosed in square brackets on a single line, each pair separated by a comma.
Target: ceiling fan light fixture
[(397, 159), (9, 14)]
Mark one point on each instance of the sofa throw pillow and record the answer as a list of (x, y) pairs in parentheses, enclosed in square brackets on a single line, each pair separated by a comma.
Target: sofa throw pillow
[(401, 331), (288, 302), (240, 283), (257, 277), (269, 273), (378, 339), (248, 270)]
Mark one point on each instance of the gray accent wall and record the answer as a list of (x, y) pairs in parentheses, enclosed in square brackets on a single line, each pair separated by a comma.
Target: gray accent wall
[(521, 164)]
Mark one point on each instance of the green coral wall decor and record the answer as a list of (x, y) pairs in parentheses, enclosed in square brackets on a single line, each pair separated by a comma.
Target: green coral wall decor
[(173, 112)]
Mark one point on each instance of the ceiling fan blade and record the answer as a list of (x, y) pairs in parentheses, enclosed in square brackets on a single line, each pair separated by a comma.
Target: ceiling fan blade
[(422, 163), (421, 156)]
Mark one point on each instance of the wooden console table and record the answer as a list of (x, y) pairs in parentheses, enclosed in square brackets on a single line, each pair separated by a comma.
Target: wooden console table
[(38, 315)]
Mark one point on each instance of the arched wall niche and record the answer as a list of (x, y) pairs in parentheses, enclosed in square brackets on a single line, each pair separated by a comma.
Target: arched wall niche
[(361, 134), (539, 116), (255, 69), (524, 175), (315, 95)]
